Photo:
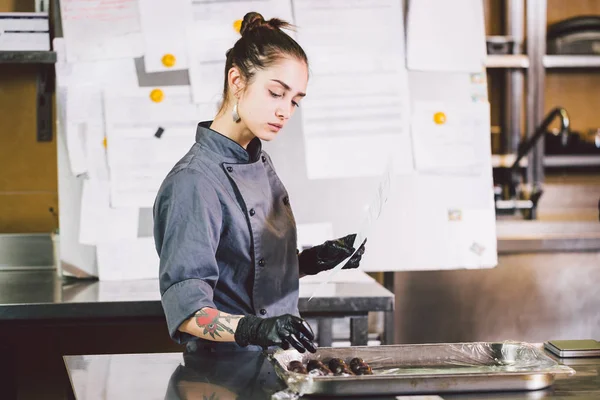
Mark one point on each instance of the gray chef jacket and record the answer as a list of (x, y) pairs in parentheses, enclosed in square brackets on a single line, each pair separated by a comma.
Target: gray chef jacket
[(225, 234)]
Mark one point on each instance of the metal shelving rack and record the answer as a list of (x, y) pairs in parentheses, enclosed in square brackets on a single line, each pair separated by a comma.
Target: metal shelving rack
[(518, 76), (525, 78), (543, 62), (517, 66)]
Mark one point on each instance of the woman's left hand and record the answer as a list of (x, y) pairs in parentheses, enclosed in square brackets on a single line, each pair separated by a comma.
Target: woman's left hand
[(329, 254)]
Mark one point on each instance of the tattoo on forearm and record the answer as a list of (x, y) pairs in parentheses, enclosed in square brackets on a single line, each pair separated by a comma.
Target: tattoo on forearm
[(213, 322)]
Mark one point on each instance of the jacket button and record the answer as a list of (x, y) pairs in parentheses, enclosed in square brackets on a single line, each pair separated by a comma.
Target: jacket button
[(263, 311), (261, 262), (252, 212), (286, 201), (264, 159), (229, 169)]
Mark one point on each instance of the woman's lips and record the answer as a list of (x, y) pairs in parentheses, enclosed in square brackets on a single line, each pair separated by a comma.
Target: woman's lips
[(275, 127)]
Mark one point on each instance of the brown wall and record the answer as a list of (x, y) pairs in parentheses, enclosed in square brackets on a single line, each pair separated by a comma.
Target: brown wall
[(17, 5), (28, 183)]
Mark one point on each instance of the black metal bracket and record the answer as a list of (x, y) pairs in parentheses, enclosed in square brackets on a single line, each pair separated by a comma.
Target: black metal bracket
[(45, 88)]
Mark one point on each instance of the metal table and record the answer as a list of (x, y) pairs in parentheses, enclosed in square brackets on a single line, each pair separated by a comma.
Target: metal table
[(250, 376), (44, 317), (41, 295)]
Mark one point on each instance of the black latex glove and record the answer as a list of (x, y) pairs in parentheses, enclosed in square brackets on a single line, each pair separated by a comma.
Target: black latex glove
[(329, 254), (284, 331)]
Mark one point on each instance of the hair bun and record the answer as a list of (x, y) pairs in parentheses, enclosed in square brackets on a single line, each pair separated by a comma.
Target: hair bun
[(252, 21)]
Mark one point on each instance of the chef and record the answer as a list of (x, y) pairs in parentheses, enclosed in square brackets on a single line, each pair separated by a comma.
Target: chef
[(223, 223)]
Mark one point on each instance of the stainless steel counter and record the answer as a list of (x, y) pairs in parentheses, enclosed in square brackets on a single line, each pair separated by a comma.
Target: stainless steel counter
[(41, 295), (43, 318), (250, 376)]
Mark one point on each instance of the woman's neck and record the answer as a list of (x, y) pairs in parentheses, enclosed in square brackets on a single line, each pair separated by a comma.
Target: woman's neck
[(236, 131)]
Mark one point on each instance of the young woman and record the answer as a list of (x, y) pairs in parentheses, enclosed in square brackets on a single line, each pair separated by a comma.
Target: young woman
[(223, 227)]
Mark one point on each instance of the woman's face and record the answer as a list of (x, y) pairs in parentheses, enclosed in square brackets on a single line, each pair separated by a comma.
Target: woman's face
[(273, 96)]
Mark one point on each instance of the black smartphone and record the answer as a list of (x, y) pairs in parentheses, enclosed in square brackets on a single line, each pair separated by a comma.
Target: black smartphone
[(574, 348)]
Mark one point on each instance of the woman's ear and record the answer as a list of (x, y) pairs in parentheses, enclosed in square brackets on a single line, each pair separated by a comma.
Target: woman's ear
[(236, 81)]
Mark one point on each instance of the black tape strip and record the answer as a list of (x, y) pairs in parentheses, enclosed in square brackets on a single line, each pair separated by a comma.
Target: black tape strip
[(159, 132)]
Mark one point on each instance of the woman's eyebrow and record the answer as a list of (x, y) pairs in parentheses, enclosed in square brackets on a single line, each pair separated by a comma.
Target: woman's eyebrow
[(287, 87)]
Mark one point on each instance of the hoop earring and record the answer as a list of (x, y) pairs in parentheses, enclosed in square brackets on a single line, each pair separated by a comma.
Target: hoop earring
[(234, 114)]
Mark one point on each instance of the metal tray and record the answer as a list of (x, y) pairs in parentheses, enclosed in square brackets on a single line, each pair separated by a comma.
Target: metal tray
[(427, 368)]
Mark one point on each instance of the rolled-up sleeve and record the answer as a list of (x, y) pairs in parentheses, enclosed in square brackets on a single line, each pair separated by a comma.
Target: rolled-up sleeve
[(187, 225)]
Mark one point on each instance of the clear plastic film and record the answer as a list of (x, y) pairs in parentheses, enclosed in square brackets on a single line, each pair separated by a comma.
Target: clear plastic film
[(508, 354), (483, 357), (372, 214), (285, 395), (428, 362)]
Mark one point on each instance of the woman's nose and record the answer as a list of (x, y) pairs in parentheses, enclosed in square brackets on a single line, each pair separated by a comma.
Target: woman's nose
[(282, 113)]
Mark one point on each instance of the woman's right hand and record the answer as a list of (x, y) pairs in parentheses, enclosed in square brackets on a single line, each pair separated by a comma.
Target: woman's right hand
[(284, 331)]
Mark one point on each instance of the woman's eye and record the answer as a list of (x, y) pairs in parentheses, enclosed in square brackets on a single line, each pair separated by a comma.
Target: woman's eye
[(295, 104), (275, 94)]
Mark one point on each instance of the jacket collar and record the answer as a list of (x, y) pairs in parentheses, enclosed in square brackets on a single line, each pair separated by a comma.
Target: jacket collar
[(230, 150)]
